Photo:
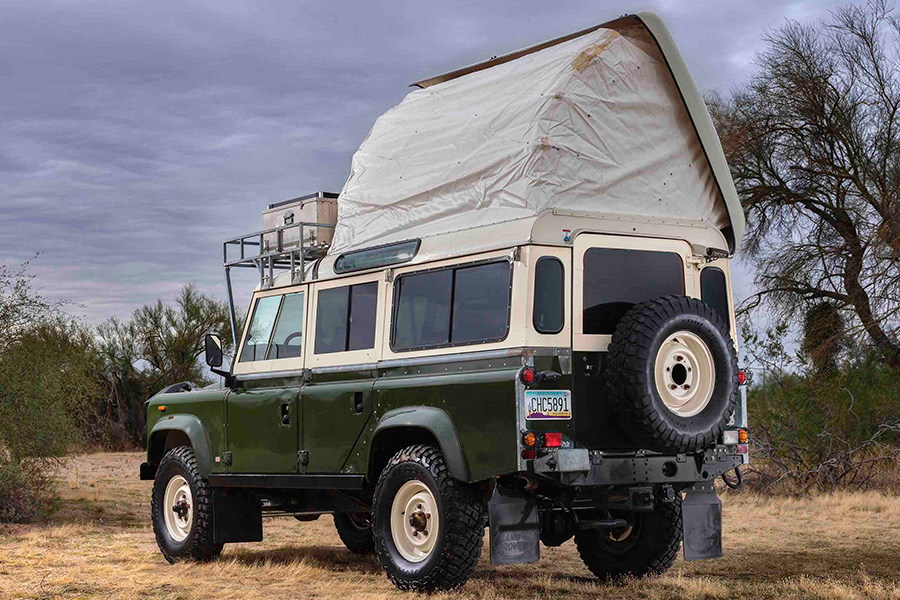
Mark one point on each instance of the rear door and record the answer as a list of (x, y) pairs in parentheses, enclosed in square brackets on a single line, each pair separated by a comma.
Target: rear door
[(611, 275), (337, 402)]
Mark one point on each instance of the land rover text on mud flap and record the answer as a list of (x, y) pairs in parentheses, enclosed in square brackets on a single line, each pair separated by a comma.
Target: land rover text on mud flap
[(517, 313)]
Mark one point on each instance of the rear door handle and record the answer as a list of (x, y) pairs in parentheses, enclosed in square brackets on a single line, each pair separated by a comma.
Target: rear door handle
[(358, 402), (285, 414)]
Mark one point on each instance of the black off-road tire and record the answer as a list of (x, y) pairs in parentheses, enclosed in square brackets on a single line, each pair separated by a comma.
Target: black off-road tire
[(356, 537), (200, 544), (632, 384), (649, 549), (460, 534)]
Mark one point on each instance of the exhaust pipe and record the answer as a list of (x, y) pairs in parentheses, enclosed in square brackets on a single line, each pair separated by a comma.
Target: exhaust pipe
[(527, 483)]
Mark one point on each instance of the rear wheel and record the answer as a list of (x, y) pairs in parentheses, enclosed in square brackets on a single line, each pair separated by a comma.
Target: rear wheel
[(181, 509), (646, 546), (429, 527), (355, 530)]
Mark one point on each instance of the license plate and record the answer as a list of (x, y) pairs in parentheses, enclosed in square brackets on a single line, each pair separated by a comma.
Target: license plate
[(548, 405)]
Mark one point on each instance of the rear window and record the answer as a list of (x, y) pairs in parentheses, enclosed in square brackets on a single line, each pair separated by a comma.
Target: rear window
[(549, 295), (345, 318), (616, 279), (714, 291), (453, 306)]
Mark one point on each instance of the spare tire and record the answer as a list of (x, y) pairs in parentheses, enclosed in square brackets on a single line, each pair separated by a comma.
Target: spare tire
[(672, 374)]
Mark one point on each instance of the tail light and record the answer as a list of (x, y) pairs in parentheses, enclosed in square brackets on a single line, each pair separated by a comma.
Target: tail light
[(552, 439), (527, 375), (742, 378)]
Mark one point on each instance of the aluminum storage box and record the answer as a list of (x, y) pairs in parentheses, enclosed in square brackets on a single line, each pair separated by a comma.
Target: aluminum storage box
[(320, 207)]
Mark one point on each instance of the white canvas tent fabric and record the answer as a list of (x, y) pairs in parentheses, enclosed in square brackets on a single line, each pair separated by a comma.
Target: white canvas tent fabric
[(592, 124)]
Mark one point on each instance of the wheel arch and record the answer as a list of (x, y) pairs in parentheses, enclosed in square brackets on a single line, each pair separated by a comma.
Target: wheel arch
[(180, 430), (404, 427)]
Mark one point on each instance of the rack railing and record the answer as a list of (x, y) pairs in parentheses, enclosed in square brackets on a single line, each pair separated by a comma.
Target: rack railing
[(268, 252)]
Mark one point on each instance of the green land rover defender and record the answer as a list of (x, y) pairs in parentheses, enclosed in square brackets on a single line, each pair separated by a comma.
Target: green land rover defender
[(517, 314)]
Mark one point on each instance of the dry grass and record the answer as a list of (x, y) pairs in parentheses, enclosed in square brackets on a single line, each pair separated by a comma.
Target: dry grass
[(101, 546)]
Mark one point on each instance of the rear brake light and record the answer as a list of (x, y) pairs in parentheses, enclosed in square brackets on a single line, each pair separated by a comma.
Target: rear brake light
[(552, 439), (528, 454), (742, 378), (527, 375)]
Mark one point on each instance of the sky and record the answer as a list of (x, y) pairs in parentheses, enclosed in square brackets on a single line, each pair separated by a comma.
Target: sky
[(135, 137)]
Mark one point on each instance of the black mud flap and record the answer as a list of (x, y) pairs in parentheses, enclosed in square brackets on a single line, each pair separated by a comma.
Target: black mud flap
[(237, 516), (515, 527), (701, 522)]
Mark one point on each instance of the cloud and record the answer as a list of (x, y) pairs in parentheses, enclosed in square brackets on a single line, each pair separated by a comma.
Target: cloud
[(135, 137)]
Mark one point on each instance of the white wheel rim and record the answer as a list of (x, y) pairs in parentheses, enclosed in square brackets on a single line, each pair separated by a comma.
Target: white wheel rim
[(178, 508), (414, 521), (685, 374)]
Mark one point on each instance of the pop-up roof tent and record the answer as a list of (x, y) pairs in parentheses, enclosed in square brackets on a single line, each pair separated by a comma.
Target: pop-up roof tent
[(605, 120)]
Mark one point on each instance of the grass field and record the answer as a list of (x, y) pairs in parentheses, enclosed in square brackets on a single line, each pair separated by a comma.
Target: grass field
[(100, 545)]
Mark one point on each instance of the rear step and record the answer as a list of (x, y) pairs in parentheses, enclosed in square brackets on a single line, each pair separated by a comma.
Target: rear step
[(603, 524)]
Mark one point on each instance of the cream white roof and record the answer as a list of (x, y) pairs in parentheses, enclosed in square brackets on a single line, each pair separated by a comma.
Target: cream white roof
[(606, 121)]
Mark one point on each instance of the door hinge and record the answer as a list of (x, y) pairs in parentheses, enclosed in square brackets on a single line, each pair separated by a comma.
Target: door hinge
[(303, 457), (389, 275), (226, 458)]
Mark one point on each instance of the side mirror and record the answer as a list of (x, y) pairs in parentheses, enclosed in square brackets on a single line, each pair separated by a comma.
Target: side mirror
[(213, 350)]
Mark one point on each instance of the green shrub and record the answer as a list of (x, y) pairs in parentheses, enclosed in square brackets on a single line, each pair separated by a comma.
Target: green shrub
[(822, 429), (48, 383)]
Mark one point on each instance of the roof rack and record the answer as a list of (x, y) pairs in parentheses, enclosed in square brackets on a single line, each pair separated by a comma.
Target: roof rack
[(268, 252)]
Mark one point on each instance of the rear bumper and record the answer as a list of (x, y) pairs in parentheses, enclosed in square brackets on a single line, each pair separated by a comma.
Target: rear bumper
[(583, 467)]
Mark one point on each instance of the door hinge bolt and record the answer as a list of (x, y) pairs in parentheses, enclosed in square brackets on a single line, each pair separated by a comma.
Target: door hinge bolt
[(303, 457)]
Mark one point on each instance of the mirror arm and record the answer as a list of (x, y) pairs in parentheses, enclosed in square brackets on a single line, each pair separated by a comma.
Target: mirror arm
[(229, 378)]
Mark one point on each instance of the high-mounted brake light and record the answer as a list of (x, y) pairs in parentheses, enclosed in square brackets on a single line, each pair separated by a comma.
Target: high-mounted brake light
[(742, 378), (527, 375), (552, 439)]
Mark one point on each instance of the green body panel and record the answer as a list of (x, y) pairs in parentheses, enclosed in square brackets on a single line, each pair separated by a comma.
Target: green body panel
[(258, 440), (435, 421), (479, 397), (331, 423), (200, 415)]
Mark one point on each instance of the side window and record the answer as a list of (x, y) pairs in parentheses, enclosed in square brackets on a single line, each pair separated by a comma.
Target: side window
[(461, 305), (422, 315), (260, 331), (363, 307), (616, 279), (549, 295), (714, 291), (345, 318), (287, 340), (480, 303)]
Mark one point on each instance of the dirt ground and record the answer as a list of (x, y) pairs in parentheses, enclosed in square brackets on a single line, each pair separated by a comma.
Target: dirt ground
[(100, 545)]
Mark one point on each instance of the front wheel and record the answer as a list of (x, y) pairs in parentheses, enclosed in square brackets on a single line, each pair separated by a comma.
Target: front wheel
[(647, 545), (428, 527), (181, 509)]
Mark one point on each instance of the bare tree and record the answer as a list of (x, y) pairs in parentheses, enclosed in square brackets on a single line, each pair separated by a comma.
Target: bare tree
[(813, 143)]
